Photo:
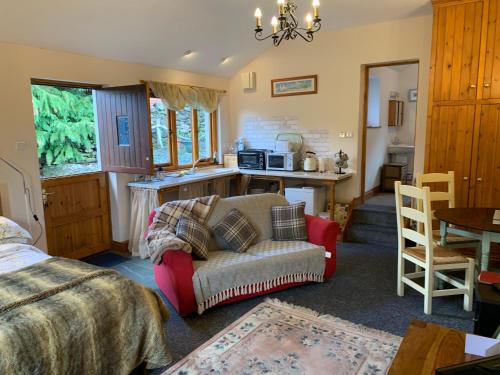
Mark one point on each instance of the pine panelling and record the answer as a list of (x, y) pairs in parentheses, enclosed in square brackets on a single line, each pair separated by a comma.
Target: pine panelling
[(451, 143), (77, 215), (491, 86), (457, 46), (486, 191)]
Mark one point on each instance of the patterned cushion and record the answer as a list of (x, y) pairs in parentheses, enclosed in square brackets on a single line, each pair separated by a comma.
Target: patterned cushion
[(236, 231), (289, 223), (195, 234), (11, 232)]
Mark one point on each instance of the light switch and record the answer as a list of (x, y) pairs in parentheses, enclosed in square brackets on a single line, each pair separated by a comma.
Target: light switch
[(348, 135), (21, 146), (341, 135)]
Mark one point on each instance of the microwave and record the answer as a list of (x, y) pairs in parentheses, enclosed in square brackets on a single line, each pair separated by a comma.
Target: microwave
[(282, 161), (252, 159)]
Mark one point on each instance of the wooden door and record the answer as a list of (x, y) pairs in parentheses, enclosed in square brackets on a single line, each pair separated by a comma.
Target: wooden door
[(449, 146), (456, 47), (485, 184), (77, 215), (491, 83), (124, 124)]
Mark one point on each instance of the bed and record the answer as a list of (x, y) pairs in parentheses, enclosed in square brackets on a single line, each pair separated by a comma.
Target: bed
[(64, 316)]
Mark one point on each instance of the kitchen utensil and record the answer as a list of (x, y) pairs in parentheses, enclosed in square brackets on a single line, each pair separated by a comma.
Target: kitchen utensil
[(310, 162), (341, 161)]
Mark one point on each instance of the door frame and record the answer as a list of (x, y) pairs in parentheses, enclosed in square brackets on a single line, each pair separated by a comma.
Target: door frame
[(365, 69)]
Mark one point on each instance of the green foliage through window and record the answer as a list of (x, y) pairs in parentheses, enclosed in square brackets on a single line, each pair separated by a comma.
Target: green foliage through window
[(64, 124)]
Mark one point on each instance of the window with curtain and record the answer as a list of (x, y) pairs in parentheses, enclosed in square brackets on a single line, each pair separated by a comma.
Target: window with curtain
[(181, 137)]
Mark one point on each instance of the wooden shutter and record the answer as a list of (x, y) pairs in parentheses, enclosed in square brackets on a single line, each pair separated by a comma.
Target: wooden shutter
[(125, 129)]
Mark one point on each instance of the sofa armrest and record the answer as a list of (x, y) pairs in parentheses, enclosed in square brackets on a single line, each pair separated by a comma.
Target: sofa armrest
[(322, 232)]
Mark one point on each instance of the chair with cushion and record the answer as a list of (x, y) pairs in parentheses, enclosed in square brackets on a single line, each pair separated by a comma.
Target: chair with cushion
[(433, 259), (448, 179)]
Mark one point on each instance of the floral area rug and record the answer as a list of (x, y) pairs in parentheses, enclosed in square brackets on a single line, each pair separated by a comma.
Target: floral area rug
[(278, 338)]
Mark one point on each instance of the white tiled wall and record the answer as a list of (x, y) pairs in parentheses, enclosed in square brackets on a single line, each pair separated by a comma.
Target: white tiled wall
[(261, 133)]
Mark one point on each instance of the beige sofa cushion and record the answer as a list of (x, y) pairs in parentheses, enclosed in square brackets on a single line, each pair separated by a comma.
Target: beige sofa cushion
[(257, 209)]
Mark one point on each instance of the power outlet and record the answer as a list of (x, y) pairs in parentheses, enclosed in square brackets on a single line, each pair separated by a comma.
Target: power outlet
[(21, 146)]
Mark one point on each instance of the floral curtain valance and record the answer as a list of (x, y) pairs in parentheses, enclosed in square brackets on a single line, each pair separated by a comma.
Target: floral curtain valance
[(176, 97)]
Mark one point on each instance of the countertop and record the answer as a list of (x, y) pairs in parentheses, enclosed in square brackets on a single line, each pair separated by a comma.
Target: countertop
[(204, 174)]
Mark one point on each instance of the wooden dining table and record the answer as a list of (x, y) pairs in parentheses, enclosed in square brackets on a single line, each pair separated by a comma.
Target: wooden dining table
[(474, 223)]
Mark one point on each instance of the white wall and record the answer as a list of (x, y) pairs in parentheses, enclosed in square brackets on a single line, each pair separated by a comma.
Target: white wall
[(337, 57), (18, 64)]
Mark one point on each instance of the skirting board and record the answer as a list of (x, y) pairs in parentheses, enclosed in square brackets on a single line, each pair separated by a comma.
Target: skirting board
[(120, 247)]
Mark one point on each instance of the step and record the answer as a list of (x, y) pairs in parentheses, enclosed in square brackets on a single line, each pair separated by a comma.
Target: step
[(372, 234), (374, 217)]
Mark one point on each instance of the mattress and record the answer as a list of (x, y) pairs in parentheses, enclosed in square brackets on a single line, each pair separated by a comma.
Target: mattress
[(15, 256)]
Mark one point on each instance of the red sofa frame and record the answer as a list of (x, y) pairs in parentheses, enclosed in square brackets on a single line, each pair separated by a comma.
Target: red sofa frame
[(174, 275)]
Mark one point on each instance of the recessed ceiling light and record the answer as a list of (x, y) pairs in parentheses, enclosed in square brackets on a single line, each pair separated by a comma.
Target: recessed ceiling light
[(224, 60), (188, 52)]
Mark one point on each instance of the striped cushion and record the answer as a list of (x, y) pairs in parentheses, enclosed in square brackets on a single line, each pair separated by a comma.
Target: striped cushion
[(236, 231), (195, 234), (289, 223)]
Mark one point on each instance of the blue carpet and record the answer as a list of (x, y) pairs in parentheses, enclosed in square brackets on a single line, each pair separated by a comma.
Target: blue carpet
[(362, 290)]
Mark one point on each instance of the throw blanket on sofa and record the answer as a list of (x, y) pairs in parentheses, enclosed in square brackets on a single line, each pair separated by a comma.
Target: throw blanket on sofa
[(63, 316), (161, 233), (262, 267)]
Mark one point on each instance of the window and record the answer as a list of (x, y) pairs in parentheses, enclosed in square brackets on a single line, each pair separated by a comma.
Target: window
[(181, 137), (65, 129), (373, 119)]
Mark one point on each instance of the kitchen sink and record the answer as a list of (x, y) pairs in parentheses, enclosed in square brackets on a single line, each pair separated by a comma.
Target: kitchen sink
[(400, 149)]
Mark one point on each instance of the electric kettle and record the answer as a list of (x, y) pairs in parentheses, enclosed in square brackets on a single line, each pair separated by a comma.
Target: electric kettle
[(310, 163)]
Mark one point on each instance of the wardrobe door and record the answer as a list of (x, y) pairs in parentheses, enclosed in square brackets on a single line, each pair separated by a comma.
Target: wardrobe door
[(491, 83), (456, 46), (485, 186), (450, 145)]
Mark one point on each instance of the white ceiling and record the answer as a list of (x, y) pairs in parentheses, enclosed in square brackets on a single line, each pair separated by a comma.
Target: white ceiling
[(157, 32)]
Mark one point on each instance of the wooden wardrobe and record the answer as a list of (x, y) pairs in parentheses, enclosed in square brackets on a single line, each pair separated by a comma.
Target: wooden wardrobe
[(463, 128)]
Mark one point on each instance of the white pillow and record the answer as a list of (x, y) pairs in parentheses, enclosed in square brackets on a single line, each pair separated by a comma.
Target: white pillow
[(11, 232)]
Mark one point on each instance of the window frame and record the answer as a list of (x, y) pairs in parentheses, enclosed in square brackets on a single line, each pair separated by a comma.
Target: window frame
[(172, 130)]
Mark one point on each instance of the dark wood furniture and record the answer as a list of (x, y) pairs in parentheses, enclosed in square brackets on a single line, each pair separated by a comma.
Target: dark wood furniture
[(428, 346), (396, 113), (392, 172), (475, 223), (487, 310), (463, 127)]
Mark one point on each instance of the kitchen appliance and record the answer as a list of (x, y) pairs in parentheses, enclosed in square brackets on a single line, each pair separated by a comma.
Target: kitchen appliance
[(310, 162), (323, 164), (314, 196), (252, 159), (282, 161)]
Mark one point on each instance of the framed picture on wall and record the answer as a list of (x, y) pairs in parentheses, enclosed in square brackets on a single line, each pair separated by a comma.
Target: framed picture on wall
[(294, 86), (412, 95)]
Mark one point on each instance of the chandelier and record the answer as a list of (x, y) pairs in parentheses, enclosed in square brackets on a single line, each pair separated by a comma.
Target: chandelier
[(286, 26)]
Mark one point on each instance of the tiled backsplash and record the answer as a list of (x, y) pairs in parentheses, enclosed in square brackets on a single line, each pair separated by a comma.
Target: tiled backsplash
[(261, 133)]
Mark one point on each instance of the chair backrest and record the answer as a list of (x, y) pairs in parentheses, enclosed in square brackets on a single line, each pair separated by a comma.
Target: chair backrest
[(422, 215), (433, 178)]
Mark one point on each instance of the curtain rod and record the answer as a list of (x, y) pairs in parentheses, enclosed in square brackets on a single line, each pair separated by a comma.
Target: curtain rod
[(178, 84)]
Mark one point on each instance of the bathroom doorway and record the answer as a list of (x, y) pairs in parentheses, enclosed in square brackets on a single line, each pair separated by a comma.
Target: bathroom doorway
[(388, 126)]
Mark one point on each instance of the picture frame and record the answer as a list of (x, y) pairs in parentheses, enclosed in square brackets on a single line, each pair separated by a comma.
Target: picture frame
[(412, 95), (304, 85)]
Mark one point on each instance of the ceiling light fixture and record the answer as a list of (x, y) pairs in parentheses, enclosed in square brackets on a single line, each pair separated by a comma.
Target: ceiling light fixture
[(224, 60), (188, 52), (286, 25)]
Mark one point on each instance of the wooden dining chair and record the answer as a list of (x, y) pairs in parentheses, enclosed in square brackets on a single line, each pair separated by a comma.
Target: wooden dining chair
[(431, 258), (448, 196)]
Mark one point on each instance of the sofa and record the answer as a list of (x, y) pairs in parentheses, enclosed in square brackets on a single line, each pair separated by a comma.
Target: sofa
[(178, 272)]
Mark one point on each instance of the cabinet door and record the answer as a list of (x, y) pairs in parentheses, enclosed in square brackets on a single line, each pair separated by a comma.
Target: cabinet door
[(194, 190), (456, 45), (222, 187), (449, 146), (485, 186), (491, 83)]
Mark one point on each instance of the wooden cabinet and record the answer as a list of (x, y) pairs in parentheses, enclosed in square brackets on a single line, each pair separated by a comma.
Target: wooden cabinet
[(396, 111), (464, 99), (456, 47), (391, 173)]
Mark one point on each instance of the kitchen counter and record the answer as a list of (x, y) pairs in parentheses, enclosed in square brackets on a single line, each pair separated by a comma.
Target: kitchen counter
[(330, 176), (202, 174)]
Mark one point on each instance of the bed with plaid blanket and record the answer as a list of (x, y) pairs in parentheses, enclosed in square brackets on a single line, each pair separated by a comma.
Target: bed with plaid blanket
[(161, 233), (63, 316)]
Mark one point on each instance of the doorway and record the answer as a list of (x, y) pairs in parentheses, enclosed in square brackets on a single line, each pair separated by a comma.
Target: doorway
[(388, 127)]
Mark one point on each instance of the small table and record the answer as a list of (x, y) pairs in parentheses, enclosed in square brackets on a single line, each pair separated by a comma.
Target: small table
[(475, 223), (427, 347)]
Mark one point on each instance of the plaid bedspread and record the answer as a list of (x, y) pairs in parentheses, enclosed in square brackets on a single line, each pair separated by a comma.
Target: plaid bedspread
[(161, 233), (63, 316)]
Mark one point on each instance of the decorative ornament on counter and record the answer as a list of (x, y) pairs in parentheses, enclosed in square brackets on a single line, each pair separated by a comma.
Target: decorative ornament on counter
[(341, 161)]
